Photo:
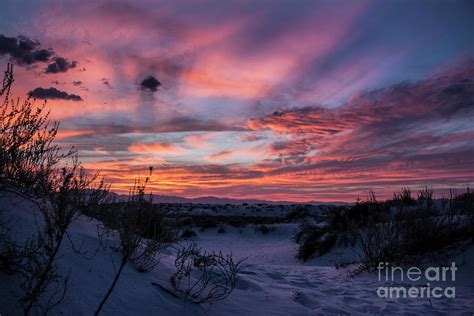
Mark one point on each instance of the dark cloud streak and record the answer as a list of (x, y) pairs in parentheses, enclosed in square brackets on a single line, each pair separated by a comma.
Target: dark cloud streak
[(53, 94), (26, 52), (23, 50), (60, 65)]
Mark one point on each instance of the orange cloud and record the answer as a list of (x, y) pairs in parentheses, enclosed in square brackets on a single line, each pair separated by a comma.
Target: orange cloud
[(63, 134), (155, 148), (252, 155), (200, 140)]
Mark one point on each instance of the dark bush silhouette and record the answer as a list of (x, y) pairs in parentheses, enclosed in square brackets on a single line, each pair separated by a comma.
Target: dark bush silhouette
[(403, 199), (415, 228), (188, 233), (313, 240), (28, 157), (300, 212), (264, 229), (397, 230), (29, 168), (73, 191), (221, 229)]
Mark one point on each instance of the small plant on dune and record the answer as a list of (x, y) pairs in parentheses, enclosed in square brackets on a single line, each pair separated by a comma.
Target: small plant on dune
[(264, 229), (203, 277), (221, 229), (140, 238), (378, 243), (425, 199), (73, 191)]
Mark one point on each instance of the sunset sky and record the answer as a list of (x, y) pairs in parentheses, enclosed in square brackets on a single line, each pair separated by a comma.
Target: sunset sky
[(278, 100)]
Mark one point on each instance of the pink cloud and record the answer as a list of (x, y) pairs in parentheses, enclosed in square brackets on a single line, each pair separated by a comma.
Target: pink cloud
[(155, 148)]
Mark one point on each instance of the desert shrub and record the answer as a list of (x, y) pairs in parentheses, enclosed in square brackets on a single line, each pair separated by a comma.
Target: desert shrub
[(203, 277), (9, 255), (364, 212), (337, 219), (35, 260), (378, 243), (410, 234), (140, 238), (264, 229), (403, 199), (29, 168), (300, 212), (150, 221), (344, 218), (145, 257), (188, 233), (397, 231), (186, 221), (221, 229), (346, 238), (28, 157), (38, 271), (8, 250), (73, 191), (425, 199), (206, 222), (304, 230), (313, 241), (462, 203)]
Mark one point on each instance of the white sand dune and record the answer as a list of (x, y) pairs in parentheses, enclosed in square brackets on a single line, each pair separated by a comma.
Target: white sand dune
[(272, 281)]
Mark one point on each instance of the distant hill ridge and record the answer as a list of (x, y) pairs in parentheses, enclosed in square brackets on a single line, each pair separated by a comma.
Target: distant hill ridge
[(216, 200)]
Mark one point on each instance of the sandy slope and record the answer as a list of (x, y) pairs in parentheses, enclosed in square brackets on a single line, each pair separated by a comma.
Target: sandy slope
[(272, 281)]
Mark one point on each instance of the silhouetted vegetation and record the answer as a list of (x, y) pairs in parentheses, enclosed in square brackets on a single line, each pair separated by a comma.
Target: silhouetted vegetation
[(264, 228), (30, 167), (300, 212), (142, 233), (188, 233), (397, 230), (221, 229), (28, 157), (313, 240)]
